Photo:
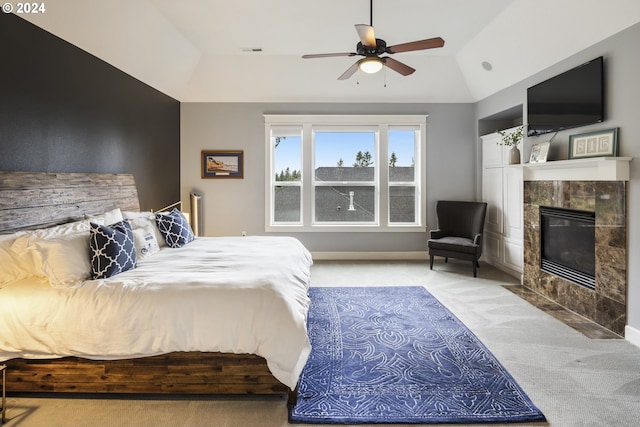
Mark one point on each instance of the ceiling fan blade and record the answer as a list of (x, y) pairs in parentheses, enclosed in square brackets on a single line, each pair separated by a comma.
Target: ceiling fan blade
[(366, 34), (417, 45), (328, 55), (349, 71), (398, 66)]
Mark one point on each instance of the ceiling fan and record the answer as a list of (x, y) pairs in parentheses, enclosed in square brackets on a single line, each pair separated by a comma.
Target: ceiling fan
[(371, 48)]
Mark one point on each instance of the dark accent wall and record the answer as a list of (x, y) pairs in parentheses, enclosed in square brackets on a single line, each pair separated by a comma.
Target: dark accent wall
[(64, 110)]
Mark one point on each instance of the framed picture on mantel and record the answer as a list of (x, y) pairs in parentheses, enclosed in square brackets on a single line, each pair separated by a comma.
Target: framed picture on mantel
[(539, 152), (601, 143)]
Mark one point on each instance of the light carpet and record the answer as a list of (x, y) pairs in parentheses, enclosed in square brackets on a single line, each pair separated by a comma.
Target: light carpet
[(397, 355)]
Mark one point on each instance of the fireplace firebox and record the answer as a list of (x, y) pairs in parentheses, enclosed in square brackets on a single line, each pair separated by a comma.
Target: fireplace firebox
[(567, 244)]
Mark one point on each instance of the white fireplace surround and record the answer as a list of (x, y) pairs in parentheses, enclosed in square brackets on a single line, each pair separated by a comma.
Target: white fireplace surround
[(589, 169)]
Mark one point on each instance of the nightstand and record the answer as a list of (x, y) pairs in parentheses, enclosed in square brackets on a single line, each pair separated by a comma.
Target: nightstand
[(3, 369)]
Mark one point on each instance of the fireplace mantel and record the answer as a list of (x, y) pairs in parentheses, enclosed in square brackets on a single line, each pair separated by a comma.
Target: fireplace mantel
[(590, 169)]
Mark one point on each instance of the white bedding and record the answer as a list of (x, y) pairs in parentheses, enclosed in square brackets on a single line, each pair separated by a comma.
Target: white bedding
[(227, 294)]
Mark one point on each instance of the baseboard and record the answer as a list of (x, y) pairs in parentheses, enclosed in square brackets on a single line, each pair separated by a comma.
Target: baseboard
[(632, 335), (504, 268), (365, 256)]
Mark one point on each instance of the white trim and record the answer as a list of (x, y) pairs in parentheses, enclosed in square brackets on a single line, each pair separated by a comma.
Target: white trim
[(591, 169), (504, 268), (268, 167), (632, 335), (345, 119), (307, 176), (364, 256), (382, 124), (270, 181), (346, 228)]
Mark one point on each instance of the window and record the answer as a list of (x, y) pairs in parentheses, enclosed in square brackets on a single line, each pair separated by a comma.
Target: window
[(344, 177), (403, 189), (345, 173), (286, 144)]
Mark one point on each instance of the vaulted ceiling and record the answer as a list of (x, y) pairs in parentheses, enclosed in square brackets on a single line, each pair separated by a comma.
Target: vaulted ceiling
[(250, 50)]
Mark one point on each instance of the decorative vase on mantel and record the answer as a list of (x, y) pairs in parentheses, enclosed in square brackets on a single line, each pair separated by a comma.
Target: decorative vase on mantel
[(512, 139), (514, 156)]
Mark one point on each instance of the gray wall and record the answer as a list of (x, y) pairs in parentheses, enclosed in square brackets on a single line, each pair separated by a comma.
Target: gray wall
[(231, 206), (622, 109)]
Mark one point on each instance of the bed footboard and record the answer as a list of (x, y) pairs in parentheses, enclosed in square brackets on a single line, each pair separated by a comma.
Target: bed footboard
[(179, 373)]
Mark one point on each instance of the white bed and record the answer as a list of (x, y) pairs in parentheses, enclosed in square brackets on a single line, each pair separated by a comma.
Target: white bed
[(174, 323), (230, 295)]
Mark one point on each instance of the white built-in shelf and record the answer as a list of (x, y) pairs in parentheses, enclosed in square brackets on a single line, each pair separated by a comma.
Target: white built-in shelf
[(589, 169)]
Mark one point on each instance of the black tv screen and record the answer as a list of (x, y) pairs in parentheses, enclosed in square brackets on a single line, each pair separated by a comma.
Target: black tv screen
[(571, 99)]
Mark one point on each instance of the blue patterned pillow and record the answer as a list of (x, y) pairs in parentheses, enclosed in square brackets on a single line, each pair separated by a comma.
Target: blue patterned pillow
[(174, 228), (112, 249)]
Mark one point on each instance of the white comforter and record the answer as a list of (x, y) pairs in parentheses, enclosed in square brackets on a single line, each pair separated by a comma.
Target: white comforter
[(236, 295)]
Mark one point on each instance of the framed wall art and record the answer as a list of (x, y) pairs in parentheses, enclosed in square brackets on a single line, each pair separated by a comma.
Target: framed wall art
[(602, 143), (222, 164), (539, 152)]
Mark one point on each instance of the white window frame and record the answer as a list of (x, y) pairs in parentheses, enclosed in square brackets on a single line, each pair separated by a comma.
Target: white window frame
[(418, 179), (375, 182), (286, 131), (334, 122)]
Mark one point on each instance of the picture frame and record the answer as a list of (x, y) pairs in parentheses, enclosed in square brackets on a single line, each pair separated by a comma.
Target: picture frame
[(539, 152), (221, 164), (601, 143)]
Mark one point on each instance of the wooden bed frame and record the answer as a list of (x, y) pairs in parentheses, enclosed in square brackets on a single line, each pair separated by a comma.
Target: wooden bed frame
[(33, 200)]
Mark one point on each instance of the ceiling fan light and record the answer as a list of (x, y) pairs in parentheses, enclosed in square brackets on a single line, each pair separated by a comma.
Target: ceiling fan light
[(371, 65)]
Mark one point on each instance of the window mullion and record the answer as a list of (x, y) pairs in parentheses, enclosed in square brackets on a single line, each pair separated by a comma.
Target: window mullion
[(383, 174), (307, 174), (421, 175), (269, 181)]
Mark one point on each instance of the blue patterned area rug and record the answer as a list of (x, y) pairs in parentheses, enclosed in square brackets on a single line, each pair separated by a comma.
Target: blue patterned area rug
[(397, 355)]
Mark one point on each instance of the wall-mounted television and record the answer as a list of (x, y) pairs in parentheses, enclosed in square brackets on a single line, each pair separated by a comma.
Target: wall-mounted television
[(571, 99)]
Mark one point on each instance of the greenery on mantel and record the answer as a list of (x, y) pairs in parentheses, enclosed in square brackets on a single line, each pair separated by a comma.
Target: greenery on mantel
[(513, 138)]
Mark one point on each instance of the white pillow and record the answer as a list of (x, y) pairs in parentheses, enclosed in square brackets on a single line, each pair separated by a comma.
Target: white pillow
[(63, 260), (145, 240), (145, 221), (11, 266), (60, 253), (22, 243), (32, 236), (107, 218)]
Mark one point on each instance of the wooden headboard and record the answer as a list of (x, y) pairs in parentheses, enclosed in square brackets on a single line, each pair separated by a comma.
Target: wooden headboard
[(39, 199)]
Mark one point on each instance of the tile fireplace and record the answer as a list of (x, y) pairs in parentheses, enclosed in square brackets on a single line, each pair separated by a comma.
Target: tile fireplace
[(604, 299)]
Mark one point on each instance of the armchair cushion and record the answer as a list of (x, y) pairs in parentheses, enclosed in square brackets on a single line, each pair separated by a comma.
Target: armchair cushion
[(454, 244)]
